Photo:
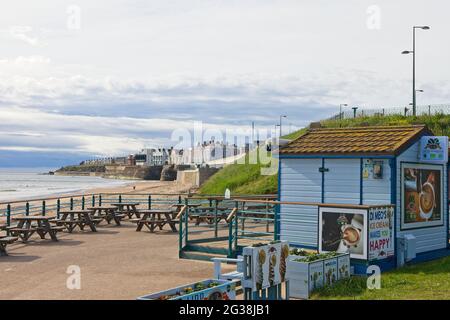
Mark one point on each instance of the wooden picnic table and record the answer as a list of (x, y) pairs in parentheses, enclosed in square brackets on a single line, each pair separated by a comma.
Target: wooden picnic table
[(76, 218), (107, 213), (127, 208), (28, 225), (180, 205), (208, 215), (153, 218), (209, 209), (4, 241)]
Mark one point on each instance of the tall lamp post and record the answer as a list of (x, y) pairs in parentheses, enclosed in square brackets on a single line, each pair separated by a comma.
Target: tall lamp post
[(340, 113), (340, 109), (281, 117), (413, 51)]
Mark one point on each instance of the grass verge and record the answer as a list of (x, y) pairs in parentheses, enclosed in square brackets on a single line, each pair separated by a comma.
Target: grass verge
[(423, 281)]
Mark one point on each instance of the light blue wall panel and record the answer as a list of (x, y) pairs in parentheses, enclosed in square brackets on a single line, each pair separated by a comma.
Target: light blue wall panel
[(342, 181), (378, 191), (300, 181)]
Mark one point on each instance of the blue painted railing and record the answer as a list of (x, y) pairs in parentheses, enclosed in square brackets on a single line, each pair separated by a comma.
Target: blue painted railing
[(242, 219), (53, 205)]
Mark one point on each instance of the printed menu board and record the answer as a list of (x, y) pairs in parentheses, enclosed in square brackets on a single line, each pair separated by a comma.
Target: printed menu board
[(381, 233)]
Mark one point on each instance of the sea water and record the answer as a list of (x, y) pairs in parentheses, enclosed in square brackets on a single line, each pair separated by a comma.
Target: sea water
[(18, 184)]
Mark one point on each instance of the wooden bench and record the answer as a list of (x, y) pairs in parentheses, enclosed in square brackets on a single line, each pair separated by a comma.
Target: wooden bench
[(152, 224), (19, 230), (153, 219), (4, 241), (208, 218), (70, 224), (97, 220), (58, 228)]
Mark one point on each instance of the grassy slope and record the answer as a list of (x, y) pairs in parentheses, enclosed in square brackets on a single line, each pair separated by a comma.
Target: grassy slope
[(246, 179), (83, 168), (439, 123), (240, 179), (428, 280)]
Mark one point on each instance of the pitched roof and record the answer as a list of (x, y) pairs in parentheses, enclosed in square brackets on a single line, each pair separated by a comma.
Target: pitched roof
[(388, 140)]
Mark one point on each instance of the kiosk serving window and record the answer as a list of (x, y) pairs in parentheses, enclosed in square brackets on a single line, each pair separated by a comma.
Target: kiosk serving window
[(421, 195)]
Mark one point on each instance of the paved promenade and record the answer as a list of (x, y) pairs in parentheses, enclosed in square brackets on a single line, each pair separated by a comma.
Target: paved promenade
[(115, 263)]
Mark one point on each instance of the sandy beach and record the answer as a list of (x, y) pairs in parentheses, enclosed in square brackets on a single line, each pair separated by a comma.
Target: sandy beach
[(155, 187)]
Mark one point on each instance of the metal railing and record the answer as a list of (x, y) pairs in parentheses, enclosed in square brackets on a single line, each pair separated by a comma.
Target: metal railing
[(53, 205), (432, 109), (231, 223)]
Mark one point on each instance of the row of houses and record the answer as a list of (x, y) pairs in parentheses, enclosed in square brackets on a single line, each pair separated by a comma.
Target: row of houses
[(201, 154), (206, 152), (129, 160)]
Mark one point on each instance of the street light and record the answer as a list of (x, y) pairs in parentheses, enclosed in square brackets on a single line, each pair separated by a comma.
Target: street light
[(277, 125), (281, 117), (418, 90), (413, 51), (340, 109), (340, 113)]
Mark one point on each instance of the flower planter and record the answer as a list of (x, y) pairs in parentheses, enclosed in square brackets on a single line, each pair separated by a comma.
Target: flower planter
[(304, 276), (211, 289), (265, 265)]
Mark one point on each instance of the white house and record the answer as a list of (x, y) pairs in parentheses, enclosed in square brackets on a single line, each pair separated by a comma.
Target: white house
[(152, 157)]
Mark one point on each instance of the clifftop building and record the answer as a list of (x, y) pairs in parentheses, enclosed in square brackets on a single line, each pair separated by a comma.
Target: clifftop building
[(152, 157), (206, 152)]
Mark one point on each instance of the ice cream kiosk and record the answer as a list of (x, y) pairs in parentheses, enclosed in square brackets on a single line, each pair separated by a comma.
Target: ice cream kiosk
[(382, 194)]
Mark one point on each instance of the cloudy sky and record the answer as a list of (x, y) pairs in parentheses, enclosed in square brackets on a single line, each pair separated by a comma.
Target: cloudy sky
[(83, 78)]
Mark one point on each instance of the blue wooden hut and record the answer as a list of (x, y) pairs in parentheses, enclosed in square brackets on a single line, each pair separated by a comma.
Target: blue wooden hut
[(366, 169)]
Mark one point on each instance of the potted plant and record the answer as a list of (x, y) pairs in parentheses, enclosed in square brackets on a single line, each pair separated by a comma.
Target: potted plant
[(210, 289), (307, 271)]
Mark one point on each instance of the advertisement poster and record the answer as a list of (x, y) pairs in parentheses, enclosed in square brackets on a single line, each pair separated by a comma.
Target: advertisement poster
[(381, 233), (330, 271), (372, 169), (343, 230), (316, 275), (422, 195), (343, 267), (434, 149), (268, 264)]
